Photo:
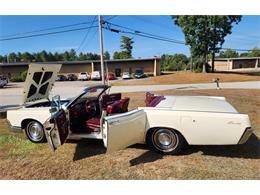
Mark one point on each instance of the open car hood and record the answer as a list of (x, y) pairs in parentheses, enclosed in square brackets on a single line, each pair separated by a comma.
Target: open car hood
[(39, 81)]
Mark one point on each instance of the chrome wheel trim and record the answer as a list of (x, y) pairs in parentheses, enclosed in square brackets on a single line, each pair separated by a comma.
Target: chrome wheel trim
[(35, 131), (165, 140)]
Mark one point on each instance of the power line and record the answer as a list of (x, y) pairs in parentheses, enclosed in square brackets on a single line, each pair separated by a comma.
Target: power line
[(156, 37), (153, 23), (93, 35), (111, 18), (46, 29), (85, 37), (54, 28), (44, 34), (143, 34)]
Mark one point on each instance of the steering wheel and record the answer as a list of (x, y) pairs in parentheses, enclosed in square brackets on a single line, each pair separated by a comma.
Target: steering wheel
[(91, 107)]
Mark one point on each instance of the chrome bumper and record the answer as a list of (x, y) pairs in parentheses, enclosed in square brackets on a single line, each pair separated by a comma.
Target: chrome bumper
[(14, 128), (247, 133)]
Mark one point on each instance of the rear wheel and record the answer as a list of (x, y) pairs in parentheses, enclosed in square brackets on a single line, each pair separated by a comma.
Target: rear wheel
[(34, 132), (166, 141)]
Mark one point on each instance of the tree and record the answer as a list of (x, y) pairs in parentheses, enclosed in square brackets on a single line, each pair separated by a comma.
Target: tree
[(229, 53), (120, 55), (107, 55), (244, 55), (205, 34), (2, 58), (26, 57), (12, 57), (126, 48), (174, 62), (72, 55), (66, 56), (255, 52), (43, 55)]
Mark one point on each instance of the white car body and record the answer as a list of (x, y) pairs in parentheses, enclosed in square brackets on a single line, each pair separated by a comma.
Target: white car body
[(95, 75), (201, 120), (83, 76), (126, 75)]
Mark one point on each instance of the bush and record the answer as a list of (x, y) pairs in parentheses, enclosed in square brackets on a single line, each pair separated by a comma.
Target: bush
[(23, 75), (17, 79), (20, 78)]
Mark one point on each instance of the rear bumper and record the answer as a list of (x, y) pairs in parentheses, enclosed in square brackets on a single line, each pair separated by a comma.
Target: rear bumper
[(247, 133), (14, 128)]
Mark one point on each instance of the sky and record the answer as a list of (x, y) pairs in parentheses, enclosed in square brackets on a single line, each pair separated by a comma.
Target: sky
[(246, 35)]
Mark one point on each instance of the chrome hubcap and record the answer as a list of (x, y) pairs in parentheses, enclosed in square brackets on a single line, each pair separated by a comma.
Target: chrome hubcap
[(35, 131), (165, 140)]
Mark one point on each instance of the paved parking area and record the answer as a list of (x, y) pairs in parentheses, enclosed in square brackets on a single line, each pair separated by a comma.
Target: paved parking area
[(11, 95)]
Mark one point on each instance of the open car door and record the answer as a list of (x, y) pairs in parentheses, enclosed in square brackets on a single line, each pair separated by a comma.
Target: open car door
[(57, 129), (123, 130)]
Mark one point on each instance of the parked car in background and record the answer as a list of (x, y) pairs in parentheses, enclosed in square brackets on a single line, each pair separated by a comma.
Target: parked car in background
[(83, 76), (111, 76), (61, 77), (72, 77), (126, 75), (95, 75), (167, 123), (3, 81), (139, 73)]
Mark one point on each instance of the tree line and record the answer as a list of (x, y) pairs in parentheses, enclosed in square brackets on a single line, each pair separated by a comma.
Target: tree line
[(176, 62), (45, 56)]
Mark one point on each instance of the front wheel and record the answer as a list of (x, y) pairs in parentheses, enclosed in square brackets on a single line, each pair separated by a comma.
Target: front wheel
[(34, 132), (166, 141)]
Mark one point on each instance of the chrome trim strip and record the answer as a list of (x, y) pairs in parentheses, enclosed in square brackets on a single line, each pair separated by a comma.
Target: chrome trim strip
[(14, 128), (247, 133)]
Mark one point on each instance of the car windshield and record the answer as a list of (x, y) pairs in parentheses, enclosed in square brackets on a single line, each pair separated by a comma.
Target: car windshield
[(93, 93), (83, 73), (139, 71)]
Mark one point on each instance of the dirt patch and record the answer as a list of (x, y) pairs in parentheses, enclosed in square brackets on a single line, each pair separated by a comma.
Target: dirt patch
[(189, 78), (86, 159)]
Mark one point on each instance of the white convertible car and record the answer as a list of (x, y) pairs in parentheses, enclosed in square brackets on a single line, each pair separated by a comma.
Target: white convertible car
[(167, 123)]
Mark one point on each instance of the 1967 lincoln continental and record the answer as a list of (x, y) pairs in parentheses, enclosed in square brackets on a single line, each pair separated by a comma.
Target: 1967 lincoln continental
[(167, 123)]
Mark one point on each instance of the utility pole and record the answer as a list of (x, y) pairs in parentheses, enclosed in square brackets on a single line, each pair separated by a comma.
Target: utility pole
[(101, 48)]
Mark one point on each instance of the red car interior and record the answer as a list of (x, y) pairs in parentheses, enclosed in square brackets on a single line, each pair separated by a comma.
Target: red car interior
[(110, 98), (152, 100), (118, 106)]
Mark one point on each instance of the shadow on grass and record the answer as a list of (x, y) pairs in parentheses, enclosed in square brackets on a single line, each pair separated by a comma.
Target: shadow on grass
[(147, 157), (249, 150), (87, 147)]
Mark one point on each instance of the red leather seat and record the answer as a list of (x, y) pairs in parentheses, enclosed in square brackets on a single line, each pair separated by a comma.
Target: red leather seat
[(119, 106), (93, 123), (110, 99), (149, 98), (152, 100)]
